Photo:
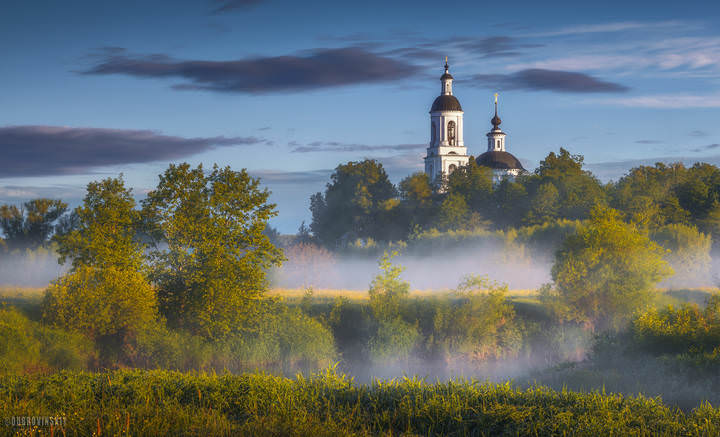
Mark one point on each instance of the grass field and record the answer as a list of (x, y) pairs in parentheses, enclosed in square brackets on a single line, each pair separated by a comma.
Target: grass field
[(151, 403)]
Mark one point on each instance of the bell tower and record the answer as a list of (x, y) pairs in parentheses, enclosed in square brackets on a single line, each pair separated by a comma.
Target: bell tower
[(496, 137), (446, 151)]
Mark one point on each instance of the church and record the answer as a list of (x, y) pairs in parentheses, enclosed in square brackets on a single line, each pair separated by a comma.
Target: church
[(447, 150)]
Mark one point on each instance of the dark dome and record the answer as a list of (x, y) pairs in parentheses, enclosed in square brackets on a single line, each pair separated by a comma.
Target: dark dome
[(446, 102), (497, 159), (446, 76)]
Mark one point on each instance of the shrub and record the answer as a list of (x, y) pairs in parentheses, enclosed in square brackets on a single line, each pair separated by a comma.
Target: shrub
[(28, 346), (101, 301)]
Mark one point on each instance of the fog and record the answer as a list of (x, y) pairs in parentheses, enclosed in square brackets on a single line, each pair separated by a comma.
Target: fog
[(437, 270), (29, 269)]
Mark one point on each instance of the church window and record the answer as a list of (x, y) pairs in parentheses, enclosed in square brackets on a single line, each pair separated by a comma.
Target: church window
[(452, 168), (451, 133), (498, 144), (433, 133)]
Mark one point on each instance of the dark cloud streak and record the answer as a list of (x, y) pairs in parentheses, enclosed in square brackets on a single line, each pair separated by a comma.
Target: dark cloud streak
[(53, 150), (334, 146), (313, 69), (537, 79), (224, 6)]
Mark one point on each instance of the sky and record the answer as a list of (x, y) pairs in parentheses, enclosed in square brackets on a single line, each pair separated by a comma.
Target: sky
[(289, 90)]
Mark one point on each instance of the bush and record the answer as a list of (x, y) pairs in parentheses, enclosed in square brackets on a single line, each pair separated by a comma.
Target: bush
[(101, 302), (393, 342), (479, 324), (28, 346)]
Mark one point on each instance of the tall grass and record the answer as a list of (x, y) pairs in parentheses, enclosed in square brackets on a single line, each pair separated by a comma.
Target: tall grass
[(170, 403)]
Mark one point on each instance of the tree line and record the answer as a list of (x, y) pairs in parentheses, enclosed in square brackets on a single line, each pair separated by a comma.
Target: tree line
[(360, 201)]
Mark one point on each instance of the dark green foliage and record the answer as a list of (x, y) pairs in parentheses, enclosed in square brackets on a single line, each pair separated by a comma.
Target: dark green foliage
[(355, 203), (31, 225), (330, 404)]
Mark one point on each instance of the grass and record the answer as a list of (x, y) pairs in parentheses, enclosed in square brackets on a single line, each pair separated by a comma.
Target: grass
[(172, 403)]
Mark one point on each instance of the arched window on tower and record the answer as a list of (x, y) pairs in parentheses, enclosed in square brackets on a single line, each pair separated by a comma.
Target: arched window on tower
[(498, 144), (452, 168), (451, 132), (433, 132)]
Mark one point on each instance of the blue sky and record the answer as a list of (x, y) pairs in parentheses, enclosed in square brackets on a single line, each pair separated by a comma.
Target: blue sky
[(291, 89)]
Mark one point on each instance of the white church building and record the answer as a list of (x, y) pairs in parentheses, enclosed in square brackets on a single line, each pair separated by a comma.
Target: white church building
[(447, 150)]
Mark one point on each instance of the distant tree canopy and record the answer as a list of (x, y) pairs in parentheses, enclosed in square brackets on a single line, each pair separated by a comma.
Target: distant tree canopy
[(361, 203), (356, 203), (32, 224)]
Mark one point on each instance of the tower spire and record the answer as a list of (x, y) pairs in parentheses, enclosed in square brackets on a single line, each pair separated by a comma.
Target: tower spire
[(496, 120)]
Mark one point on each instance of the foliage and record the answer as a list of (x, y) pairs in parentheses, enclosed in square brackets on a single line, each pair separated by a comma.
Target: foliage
[(689, 251), (393, 341), (354, 204), (387, 291), (686, 329), (106, 230), (607, 270), (210, 255), (31, 225), (479, 325), (101, 302), (29, 347), (326, 404)]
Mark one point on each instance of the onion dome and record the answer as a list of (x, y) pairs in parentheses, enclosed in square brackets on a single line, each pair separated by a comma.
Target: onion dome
[(501, 160), (446, 102)]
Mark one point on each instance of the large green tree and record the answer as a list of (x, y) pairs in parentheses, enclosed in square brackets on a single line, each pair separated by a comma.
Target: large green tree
[(106, 294), (210, 255), (356, 204), (607, 270)]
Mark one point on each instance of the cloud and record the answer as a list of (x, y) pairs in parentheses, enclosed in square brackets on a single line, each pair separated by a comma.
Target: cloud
[(313, 69), (54, 150), (614, 170), (664, 101), (280, 177), (698, 133), (706, 148), (546, 80), (623, 26), (223, 6), (334, 146)]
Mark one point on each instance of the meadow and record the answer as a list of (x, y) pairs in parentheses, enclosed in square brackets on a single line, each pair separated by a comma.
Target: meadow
[(151, 403)]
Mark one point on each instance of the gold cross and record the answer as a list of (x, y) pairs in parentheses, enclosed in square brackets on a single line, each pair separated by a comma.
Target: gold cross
[(496, 94)]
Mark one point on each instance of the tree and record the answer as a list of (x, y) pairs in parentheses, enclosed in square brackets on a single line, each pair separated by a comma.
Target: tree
[(106, 294), (578, 189), (454, 213), (31, 225), (209, 254), (474, 183), (544, 205), (607, 270), (479, 323), (105, 229), (418, 200), (387, 290), (355, 203)]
